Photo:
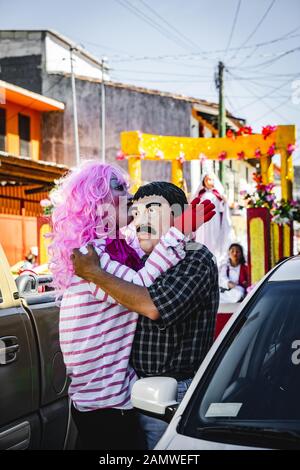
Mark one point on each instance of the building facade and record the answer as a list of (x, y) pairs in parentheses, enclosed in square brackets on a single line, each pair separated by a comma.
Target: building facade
[(24, 177), (41, 61)]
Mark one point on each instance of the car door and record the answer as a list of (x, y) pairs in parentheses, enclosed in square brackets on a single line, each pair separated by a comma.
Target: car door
[(54, 404), (19, 370)]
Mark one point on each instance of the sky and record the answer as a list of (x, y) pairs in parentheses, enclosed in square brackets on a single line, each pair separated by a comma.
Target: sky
[(175, 45)]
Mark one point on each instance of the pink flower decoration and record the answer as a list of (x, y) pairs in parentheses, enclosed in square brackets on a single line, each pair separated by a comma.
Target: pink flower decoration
[(246, 130), (257, 153), (231, 134), (222, 156), (271, 150), (241, 155), (160, 154), (120, 155), (268, 130), (291, 148)]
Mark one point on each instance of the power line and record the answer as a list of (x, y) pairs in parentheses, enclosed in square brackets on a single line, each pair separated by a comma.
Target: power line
[(285, 102), (259, 23), (180, 33), (256, 27), (271, 61), (279, 97), (260, 84), (286, 36), (247, 57), (204, 54), (272, 110), (101, 46), (233, 26), (151, 72), (230, 104), (262, 99), (192, 56), (162, 81), (267, 77), (147, 19), (281, 38), (184, 64), (229, 88)]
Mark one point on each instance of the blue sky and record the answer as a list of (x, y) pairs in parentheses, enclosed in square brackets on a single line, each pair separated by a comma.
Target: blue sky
[(175, 45)]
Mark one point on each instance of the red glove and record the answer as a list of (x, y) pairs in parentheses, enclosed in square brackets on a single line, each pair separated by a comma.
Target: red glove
[(195, 215)]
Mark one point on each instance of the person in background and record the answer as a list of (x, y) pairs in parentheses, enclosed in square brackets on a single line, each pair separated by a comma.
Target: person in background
[(30, 259), (233, 276), (217, 234)]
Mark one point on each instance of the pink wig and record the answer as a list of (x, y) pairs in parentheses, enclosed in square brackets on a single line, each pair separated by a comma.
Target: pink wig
[(78, 217)]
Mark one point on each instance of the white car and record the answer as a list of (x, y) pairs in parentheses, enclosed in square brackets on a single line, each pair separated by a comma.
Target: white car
[(246, 393)]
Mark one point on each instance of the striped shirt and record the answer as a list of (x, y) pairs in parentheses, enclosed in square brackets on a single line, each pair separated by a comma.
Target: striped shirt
[(96, 333)]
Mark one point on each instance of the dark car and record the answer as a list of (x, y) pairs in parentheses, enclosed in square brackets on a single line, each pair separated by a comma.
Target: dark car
[(34, 404)]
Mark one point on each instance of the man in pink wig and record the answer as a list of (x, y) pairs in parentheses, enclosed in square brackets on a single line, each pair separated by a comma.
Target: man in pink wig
[(96, 332)]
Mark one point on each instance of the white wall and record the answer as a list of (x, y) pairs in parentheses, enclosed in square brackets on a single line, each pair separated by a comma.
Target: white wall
[(58, 60)]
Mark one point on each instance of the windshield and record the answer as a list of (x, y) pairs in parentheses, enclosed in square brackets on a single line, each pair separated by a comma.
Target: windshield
[(254, 384)]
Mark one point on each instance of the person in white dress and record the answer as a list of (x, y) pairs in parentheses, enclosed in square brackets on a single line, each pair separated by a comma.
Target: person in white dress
[(217, 234), (233, 276)]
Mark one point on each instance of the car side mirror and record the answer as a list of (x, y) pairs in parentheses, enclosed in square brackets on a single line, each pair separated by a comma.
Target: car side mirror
[(27, 284), (156, 396)]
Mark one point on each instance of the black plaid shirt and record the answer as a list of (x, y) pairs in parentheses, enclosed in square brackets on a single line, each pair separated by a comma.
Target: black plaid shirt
[(187, 298)]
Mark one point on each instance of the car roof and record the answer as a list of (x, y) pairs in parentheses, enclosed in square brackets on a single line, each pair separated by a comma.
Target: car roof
[(288, 270)]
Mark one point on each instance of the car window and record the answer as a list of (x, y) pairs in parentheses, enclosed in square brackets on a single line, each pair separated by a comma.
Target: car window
[(255, 380)]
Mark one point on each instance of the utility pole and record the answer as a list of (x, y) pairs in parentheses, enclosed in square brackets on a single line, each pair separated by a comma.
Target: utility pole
[(103, 113), (221, 117), (75, 118)]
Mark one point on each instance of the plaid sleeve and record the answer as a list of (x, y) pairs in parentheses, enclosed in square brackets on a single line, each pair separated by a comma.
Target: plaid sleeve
[(175, 293)]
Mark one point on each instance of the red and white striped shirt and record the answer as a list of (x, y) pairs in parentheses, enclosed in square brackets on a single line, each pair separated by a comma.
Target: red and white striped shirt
[(96, 333)]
